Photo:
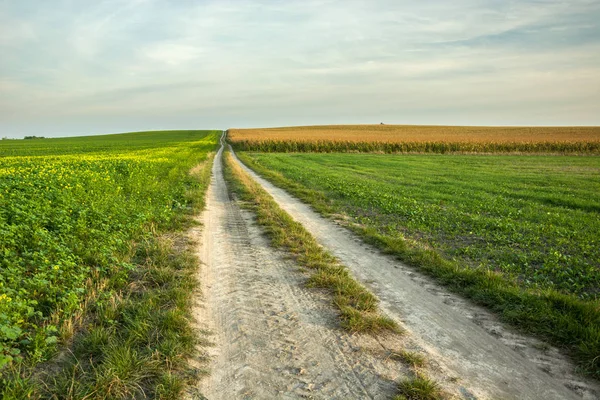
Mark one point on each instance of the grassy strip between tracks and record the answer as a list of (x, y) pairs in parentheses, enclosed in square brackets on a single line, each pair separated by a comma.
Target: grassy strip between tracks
[(357, 306), (559, 318), (132, 335)]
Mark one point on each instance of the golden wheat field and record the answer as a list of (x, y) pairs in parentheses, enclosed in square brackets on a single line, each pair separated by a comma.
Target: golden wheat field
[(420, 133), (419, 138)]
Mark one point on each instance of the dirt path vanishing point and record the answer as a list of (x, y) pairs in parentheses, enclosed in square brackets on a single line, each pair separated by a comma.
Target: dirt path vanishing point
[(465, 340), (272, 337)]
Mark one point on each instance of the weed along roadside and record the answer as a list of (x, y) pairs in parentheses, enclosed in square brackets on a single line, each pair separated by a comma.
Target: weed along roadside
[(109, 270), (465, 338)]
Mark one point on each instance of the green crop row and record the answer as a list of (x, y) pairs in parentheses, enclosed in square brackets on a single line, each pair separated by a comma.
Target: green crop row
[(67, 218), (339, 146)]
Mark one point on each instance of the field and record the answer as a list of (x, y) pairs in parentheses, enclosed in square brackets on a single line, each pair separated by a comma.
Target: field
[(76, 217), (517, 234), (99, 255), (419, 139)]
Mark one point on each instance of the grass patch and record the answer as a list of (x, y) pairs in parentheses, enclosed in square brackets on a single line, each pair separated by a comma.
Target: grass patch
[(358, 307), (490, 228), (419, 387), (412, 358)]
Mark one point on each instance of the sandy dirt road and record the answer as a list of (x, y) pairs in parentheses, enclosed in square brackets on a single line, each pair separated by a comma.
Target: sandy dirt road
[(272, 337), (463, 339)]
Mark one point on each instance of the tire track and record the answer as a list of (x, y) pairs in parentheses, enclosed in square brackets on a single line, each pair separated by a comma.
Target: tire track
[(272, 337), (464, 340)]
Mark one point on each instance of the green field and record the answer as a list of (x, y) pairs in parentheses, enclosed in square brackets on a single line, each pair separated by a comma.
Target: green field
[(519, 234), (73, 213), (113, 143)]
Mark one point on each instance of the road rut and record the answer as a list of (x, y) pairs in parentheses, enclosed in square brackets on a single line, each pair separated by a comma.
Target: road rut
[(464, 339), (273, 338)]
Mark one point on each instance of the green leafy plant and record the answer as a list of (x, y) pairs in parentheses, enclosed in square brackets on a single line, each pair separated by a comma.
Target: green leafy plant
[(72, 213)]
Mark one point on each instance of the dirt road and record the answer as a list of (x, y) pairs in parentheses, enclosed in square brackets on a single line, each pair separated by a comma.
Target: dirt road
[(272, 337), (465, 340)]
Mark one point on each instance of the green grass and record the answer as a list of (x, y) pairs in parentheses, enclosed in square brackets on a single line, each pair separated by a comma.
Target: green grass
[(107, 144), (519, 235), (358, 307), (419, 388), (88, 263), (412, 358)]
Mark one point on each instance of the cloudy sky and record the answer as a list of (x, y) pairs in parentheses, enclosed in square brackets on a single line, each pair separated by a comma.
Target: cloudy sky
[(75, 67)]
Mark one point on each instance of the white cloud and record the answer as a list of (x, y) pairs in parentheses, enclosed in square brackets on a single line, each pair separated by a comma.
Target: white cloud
[(174, 54)]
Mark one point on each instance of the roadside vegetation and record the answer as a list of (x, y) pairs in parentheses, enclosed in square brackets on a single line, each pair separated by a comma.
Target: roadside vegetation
[(418, 387), (418, 139), (96, 274), (358, 307), (516, 234)]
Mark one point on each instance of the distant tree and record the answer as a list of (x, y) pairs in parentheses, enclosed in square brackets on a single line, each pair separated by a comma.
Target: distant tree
[(33, 137)]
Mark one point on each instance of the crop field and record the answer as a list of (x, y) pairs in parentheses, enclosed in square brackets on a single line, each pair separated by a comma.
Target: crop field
[(517, 234), (72, 212), (419, 139)]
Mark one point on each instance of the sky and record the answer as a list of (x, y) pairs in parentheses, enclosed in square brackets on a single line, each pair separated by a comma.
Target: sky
[(80, 67)]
